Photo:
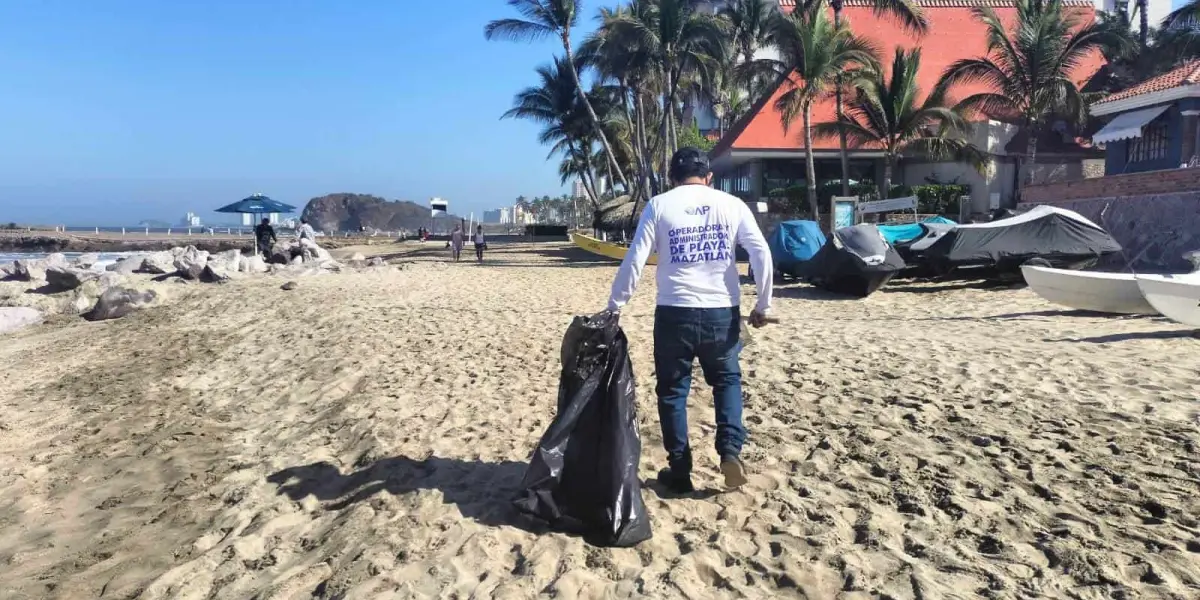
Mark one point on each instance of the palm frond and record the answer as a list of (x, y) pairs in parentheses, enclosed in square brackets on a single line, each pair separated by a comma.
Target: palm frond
[(516, 30)]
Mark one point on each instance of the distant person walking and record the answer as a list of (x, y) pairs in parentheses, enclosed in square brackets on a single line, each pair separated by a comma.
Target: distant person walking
[(480, 243), (456, 242), (307, 239), (695, 229), (265, 234)]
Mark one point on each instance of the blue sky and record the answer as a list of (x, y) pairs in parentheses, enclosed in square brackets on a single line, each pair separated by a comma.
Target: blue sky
[(116, 111)]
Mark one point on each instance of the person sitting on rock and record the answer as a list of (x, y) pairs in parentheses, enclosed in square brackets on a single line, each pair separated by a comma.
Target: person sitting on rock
[(308, 240), (265, 234)]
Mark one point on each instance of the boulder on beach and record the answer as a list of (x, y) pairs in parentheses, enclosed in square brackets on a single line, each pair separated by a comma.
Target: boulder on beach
[(116, 302), (158, 263), (253, 264), (62, 278), (216, 272), (357, 257), (87, 261), (289, 286), (8, 271), (13, 318), (35, 269), (128, 265), (191, 263), (281, 254), (231, 260), (377, 261)]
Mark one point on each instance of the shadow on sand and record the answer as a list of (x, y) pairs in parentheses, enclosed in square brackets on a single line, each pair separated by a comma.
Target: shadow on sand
[(482, 491), (1129, 337)]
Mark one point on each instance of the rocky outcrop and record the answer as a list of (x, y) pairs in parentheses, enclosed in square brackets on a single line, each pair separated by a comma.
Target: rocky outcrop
[(19, 317), (66, 242), (351, 212), (117, 302)]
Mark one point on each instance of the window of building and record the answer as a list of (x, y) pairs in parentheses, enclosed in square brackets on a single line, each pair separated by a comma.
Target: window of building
[(735, 182), (1151, 146)]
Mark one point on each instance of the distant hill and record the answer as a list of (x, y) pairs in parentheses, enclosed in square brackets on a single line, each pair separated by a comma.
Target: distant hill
[(349, 212)]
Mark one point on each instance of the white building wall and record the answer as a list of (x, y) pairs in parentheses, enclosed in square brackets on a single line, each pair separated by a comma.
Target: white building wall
[(1156, 9)]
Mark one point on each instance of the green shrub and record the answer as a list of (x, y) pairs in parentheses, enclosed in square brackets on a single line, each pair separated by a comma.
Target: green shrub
[(940, 199)]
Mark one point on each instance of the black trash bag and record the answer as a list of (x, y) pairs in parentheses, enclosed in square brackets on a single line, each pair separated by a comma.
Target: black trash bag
[(583, 475)]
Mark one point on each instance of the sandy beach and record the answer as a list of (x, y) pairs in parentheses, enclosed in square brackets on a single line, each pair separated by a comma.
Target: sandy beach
[(361, 436)]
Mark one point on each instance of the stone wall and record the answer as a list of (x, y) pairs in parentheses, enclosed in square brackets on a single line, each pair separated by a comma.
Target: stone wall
[(1155, 229), (1115, 186)]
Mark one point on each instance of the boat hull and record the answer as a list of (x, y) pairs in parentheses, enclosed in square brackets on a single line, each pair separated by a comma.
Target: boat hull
[(1177, 297), (606, 249), (1115, 293)]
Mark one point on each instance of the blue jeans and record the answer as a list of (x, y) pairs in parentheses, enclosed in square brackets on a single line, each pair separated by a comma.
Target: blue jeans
[(712, 335)]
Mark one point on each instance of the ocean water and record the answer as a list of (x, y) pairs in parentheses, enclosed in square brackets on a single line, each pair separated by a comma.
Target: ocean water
[(106, 258)]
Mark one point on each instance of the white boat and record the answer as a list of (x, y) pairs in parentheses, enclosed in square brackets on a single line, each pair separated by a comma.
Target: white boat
[(1177, 297), (1116, 293)]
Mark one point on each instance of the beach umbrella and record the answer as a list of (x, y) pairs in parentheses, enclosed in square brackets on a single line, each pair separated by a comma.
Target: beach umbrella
[(257, 204)]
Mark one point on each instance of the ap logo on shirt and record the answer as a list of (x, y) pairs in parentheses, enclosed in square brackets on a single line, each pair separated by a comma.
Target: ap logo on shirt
[(697, 210)]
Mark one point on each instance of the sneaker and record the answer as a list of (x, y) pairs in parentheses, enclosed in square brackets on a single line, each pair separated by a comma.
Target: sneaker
[(734, 471), (679, 484)]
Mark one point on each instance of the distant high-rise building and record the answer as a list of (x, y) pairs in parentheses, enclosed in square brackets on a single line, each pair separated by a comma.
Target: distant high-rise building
[(190, 220), (578, 190), (493, 216)]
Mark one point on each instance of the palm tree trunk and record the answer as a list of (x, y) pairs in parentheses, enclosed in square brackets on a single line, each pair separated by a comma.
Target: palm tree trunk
[(608, 151), (811, 168), (666, 127), (837, 22), (1144, 33), (887, 176), (645, 162), (1031, 155)]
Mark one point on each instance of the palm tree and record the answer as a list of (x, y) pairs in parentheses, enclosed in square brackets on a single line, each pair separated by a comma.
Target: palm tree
[(888, 113), (748, 26), (910, 16), (814, 53), (545, 19), (618, 57), (1139, 6), (554, 104), (680, 42), (1185, 17), (1029, 69)]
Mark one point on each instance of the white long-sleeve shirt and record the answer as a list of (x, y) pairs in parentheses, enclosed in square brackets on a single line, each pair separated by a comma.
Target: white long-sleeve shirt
[(693, 229)]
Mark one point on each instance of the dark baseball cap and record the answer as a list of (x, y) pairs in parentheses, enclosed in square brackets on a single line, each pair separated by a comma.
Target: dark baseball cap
[(689, 162)]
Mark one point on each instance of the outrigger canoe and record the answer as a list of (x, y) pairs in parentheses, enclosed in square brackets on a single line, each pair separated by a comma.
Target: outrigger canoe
[(607, 249)]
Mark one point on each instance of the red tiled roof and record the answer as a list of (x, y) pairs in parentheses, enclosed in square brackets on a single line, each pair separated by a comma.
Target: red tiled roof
[(954, 34), (1186, 74)]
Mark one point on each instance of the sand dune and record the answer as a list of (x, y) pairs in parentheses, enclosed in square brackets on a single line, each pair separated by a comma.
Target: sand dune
[(360, 437)]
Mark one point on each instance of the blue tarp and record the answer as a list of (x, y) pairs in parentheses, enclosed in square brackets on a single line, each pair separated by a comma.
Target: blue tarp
[(794, 242), (899, 234)]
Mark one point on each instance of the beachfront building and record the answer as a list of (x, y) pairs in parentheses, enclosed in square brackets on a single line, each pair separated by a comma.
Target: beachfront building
[(1152, 126), (248, 220), (756, 157), (501, 216)]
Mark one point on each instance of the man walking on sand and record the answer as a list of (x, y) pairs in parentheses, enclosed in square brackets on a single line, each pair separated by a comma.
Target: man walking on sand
[(694, 229)]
